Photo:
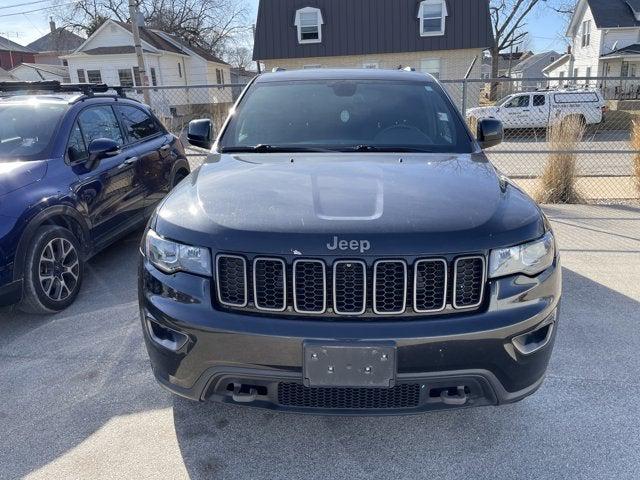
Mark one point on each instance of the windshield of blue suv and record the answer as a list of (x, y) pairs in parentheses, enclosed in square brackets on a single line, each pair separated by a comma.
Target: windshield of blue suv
[(346, 115), (27, 129)]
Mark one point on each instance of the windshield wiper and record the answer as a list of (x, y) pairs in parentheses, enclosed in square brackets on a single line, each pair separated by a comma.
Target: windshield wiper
[(263, 148), (379, 148)]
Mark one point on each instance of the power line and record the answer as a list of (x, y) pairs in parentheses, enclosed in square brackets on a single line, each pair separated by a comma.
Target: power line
[(39, 9), (33, 2)]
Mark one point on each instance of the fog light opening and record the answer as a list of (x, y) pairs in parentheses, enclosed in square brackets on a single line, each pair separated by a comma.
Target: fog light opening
[(166, 337), (531, 342)]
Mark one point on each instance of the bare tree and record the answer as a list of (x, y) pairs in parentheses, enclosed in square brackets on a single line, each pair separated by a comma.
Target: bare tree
[(208, 24), (508, 20)]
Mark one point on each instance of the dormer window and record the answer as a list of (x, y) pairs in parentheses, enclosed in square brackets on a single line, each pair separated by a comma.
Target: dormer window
[(309, 23), (432, 16)]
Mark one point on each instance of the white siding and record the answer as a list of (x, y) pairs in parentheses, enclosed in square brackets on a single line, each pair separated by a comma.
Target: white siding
[(587, 56)]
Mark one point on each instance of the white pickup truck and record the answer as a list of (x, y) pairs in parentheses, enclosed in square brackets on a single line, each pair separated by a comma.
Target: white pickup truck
[(542, 109)]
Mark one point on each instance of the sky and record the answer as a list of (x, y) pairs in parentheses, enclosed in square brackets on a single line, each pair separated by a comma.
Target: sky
[(546, 27)]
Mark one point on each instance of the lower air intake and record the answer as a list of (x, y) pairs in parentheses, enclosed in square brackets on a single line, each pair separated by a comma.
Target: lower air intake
[(297, 395)]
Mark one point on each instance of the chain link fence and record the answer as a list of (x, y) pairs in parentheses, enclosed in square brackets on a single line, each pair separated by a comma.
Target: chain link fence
[(567, 140)]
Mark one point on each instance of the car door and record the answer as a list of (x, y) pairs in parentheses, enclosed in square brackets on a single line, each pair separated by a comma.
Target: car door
[(539, 111), (110, 192), (153, 147), (516, 112)]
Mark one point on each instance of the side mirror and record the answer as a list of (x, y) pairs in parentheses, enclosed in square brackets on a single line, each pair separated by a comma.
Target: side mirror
[(100, 148), (200, 133), (490, 132)]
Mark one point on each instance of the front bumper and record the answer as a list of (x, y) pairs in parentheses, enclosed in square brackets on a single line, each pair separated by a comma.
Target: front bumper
[(443, 362)]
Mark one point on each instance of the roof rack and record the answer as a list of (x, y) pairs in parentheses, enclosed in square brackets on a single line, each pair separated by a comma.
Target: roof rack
[(87, 89)]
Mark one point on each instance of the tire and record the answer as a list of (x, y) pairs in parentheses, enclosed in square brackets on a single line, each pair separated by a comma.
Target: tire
[(179, 176), (54, 270)]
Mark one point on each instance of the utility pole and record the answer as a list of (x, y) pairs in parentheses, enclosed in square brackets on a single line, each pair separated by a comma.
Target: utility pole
[(253, 31), (134, 14)]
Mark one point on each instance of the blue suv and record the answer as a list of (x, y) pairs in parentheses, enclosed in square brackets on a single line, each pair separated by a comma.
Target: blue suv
[(78, 170)]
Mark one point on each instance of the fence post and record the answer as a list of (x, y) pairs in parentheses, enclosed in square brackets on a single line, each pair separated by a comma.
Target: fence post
[(464, 98)]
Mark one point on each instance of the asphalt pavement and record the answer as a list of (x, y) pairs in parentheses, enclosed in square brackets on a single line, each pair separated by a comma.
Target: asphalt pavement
[(78, 400)]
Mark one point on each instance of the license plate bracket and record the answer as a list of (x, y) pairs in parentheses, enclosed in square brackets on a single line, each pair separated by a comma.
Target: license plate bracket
[(349, 364)]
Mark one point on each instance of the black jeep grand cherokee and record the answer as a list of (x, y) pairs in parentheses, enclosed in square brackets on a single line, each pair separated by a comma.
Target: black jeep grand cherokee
[(348, 248)]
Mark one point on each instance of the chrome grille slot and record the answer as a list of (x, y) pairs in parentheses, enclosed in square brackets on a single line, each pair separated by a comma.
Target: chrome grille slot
[(389, 287), (430, 285), (349, 287), (468, 281), (269, 284), (231, 284), (309, 286)]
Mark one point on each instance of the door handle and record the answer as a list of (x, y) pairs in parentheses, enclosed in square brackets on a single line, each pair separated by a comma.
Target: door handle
[(128, 162)]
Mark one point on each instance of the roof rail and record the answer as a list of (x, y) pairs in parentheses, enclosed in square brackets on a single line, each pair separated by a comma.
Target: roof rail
[(409, 69), (278, 69), (87, 89)]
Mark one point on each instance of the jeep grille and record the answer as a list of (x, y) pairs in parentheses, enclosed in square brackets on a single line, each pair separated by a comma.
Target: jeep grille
[(350, 287)]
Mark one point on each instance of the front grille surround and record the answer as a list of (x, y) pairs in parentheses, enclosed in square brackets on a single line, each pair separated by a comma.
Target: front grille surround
[(326, 287), (482, 282), (336, 296), (220, 257), (445, 284), (384, 311), (256, 295), (296, 305)]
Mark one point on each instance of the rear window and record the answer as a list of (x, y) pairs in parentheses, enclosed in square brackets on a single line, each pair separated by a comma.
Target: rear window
[(343, 114), (27, 129), (577, 97)]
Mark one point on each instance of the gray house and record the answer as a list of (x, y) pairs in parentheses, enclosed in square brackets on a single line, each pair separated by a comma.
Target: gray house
[(441, 37), (533, 67)]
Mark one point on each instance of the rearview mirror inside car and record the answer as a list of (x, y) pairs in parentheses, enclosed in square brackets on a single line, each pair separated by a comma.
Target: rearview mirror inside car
[(100, 148), (200, 133), (490, 132)]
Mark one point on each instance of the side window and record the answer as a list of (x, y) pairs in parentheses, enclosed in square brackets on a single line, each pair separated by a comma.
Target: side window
[(100, 122), (518, 102), (137, 123), (76, 148), (539, 100)]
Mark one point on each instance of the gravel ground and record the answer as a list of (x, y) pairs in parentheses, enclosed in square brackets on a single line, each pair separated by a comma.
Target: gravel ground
[(77, 398)]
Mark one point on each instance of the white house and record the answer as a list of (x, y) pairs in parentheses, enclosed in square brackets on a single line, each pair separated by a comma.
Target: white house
[(108, 56), (605, 38), (33, 72)]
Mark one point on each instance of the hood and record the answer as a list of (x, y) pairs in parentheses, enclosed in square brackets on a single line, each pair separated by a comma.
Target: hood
[(15, 174), (420, 203)]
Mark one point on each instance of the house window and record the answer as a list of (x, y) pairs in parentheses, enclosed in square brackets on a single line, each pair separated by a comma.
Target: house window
[(81, 77), (219, 76), (431, 66), (94, 76), (179, 70), (154, 80), (433, 16), (586, 33), (65, 63), (126, 79), (309, 23), (588, 75), (370, 65), (136, 76)]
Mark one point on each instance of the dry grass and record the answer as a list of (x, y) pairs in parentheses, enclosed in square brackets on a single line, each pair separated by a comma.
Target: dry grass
[(472, 122), (635, 145), (559, 176)]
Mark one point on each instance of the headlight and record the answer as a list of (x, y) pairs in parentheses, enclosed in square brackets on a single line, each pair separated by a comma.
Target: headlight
[(172, 257), (529, 258)]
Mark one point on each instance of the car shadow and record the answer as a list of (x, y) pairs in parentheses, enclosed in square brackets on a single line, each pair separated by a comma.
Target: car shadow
[(554, 433)]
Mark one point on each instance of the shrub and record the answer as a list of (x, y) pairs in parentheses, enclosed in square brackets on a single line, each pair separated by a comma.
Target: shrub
[(559, 176)]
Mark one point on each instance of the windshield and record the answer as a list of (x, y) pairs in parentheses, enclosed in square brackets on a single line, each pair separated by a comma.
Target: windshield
[(353, 115), (27, 129)]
